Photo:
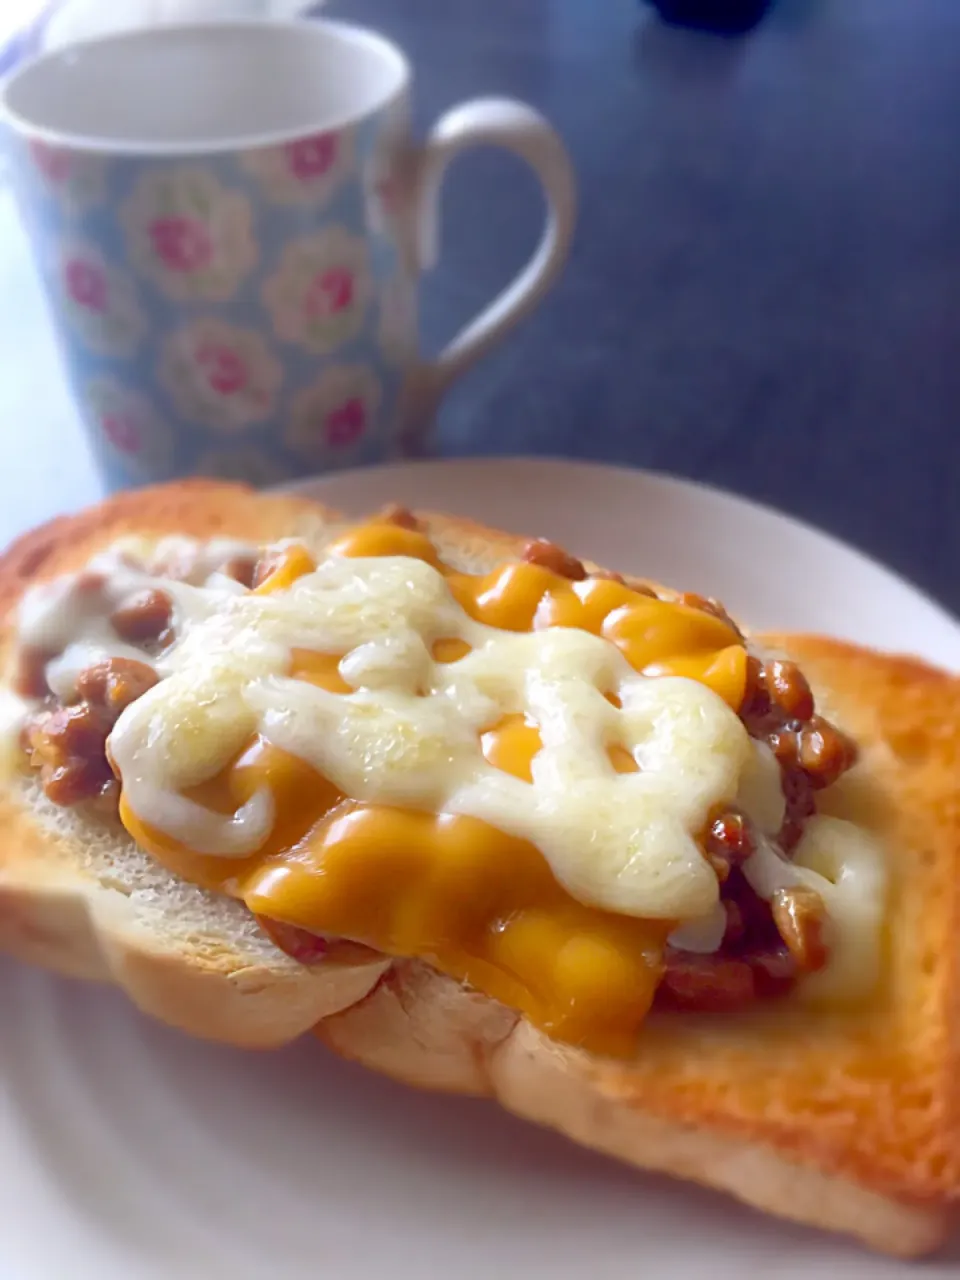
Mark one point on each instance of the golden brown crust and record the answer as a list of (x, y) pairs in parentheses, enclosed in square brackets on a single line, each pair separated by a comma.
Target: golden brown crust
[(536, 1081), (56, 912), (848, 1121), (195, 508)]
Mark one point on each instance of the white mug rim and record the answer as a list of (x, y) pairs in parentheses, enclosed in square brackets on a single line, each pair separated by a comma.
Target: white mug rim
[(395, 87)]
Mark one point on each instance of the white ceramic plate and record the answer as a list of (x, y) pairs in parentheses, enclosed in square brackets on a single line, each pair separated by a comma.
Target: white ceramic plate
[(127, 1151)]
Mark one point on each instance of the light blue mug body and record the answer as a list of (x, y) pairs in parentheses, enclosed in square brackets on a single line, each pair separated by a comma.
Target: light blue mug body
[(228, 224)]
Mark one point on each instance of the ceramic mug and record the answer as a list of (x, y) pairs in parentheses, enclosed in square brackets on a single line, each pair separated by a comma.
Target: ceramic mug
[(230, 221)]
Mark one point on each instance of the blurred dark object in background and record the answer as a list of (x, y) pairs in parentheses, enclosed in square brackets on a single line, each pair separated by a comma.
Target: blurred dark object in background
[(729, 17)]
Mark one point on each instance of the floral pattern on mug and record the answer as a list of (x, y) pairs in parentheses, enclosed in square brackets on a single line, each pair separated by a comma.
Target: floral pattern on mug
[(76, 177), (397, 325), (305, 171), (188, 233), (388, 187), (319, 294), (99, 300), (332, 419), (219, 375), (128, 428), (246, 463)]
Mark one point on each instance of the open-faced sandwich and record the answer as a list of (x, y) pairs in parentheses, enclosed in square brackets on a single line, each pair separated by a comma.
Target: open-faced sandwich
[(496, 821)]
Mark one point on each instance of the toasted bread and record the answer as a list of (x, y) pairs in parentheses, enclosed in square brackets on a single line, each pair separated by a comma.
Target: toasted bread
[(848, 1121), (81, 899)]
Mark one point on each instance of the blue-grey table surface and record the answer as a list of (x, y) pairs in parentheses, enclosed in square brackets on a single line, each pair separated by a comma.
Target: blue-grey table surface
[(764, 291)]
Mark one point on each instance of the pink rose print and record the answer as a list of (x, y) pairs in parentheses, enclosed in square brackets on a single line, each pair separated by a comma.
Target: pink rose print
[(224, 369), (182, 243), (346, 424), (331, 420), (219, 375), (86, 284), (74, 178), (99, 300), (305, 171), (319, 294), (123, 432), (192, 236), (128, 429), (312, 157), (329, 292), (52, 162)]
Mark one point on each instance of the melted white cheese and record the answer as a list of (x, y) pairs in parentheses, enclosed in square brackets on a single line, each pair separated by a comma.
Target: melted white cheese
[(409, 734), (13, 711), (846, 868), (760, 795), (703, 936)]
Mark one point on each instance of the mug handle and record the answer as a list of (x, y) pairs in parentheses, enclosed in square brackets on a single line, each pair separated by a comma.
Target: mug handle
[(501, 122)]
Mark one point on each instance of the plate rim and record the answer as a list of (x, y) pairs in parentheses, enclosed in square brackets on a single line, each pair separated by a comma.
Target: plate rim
[(820, 1248), (668, 479)]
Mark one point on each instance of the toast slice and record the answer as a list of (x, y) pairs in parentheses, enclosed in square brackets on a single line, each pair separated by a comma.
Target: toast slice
[(847, 1121), (80, 898)]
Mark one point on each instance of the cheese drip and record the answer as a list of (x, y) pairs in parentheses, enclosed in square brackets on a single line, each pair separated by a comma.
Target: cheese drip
[(409, 733), (504, 774)]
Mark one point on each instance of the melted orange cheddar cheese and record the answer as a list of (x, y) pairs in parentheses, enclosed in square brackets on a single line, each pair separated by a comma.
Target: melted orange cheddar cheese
[(657, 637), (479, 904)]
